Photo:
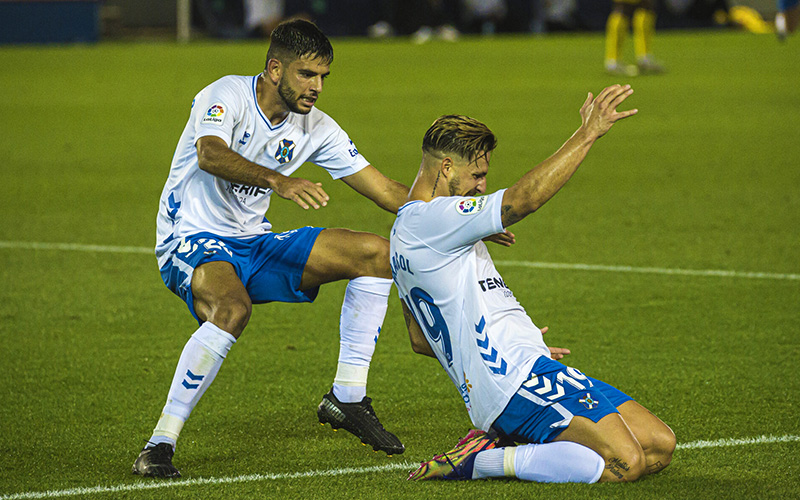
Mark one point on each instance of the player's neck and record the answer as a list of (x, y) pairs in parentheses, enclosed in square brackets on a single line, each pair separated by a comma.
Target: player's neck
[(270, 102), (427, 186)]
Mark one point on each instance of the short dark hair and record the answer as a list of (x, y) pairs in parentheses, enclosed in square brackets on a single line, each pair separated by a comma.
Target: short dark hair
[(458, 134), (294, 39)]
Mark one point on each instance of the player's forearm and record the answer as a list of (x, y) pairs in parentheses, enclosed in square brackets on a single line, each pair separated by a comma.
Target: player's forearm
[(542, 182), (385, 192), (395, 195), (219, 160), (418, 342)]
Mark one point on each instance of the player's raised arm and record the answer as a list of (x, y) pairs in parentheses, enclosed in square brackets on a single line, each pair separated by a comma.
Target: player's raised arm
[(215, 157), (533, 190)]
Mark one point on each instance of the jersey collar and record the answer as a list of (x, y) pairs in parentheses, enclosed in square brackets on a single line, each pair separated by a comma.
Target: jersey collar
[(261, 113)]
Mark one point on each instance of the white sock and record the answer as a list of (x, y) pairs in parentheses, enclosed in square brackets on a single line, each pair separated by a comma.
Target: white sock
[(198, 365), (365, 302), (489, 463), (780, 23), (558, 462)]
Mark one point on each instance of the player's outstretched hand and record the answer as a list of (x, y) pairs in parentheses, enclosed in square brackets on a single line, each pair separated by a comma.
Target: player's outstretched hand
[(506, 238), (556, 353), (301, 191), (598, 114)]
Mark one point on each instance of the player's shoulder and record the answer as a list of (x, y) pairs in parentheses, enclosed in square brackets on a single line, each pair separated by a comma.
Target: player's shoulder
[(461, 205), (443, 210), (315, 122), (230, 86), (418, 215)]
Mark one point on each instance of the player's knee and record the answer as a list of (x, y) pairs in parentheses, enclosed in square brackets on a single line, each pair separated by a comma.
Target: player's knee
[(625, 463), (231, 315), (664, 443), (375, 251)]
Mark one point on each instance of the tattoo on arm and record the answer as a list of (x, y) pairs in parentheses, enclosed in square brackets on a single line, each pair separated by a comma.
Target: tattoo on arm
[(509, 216), (617, 467), (408, 317)]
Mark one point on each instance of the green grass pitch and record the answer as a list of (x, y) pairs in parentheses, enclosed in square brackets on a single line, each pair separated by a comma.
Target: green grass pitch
[(706, 177)]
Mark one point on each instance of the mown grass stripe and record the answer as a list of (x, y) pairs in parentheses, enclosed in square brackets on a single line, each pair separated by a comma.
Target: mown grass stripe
[(26, 245), (151, 485)]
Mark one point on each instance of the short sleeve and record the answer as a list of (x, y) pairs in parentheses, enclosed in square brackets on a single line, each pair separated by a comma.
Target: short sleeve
[(450, 224), (215, 111), (336, 153)]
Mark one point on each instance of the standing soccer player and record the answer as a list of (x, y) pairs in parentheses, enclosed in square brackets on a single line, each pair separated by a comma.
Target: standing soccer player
[(245, 136), (460, 311), (642, 15)]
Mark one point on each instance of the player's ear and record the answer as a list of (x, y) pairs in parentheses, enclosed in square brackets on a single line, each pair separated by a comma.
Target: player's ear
[(447, 167), (274, 70)]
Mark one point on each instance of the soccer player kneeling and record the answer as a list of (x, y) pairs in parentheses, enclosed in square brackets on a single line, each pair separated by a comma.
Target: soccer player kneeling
[(571, 427)]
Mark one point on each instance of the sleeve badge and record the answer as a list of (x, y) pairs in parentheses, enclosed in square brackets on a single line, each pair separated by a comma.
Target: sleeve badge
[(470, 206), (215, 114)]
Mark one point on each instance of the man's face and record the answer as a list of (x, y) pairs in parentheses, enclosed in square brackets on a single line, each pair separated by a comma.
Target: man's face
[(301, 83), (469, 178)]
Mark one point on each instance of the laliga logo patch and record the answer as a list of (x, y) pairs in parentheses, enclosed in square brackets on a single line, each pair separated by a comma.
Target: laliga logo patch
[(469, 206), (214, 114), (588, 402), (285, 151)]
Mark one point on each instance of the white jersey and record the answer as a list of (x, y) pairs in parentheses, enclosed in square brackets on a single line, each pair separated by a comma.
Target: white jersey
[(480, 334), (195, 201)]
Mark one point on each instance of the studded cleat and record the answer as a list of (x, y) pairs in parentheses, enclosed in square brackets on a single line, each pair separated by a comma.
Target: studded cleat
[(360, 420), (621, 69), (458, 463), (156, 461), (649, 66)]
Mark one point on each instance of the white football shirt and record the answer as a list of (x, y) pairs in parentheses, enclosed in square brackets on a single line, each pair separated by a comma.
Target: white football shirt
[(480, 334), (195, 201)]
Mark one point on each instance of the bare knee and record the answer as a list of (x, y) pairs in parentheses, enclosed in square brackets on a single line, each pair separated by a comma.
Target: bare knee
[(375, 251), (220, 297), (231, 315), (660, 453), (624, 463)]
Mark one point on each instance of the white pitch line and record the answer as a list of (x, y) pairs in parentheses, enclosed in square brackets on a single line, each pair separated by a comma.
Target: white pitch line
[(76, 247), (718, 443), (152, 485), (651, 270)]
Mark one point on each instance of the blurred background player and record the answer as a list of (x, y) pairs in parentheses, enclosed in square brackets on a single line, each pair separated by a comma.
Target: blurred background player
[(787, 18), (641, 16), (421, 19)]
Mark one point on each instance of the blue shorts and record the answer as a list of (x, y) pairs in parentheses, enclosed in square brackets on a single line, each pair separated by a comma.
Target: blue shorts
[(784, 5), (269, 265), (554, 393)]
